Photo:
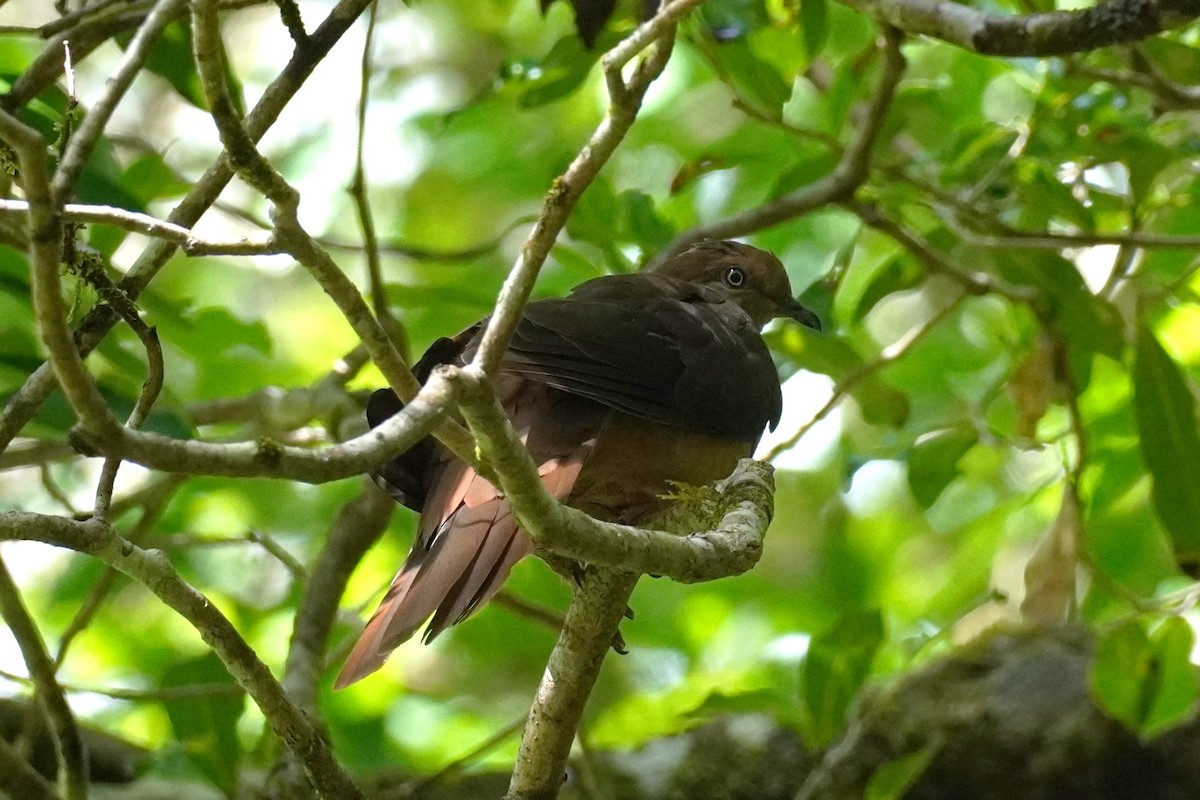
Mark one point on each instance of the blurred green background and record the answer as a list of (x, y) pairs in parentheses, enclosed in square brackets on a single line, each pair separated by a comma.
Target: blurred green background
[(905, 515)]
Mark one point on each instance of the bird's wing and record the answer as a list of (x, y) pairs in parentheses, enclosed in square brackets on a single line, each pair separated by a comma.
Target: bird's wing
[(655, 348), (408, 476)]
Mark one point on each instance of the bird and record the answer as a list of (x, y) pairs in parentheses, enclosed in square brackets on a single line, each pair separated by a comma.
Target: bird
[(629, 384)]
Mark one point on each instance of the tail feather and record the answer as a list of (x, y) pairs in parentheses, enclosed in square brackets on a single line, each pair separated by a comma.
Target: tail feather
[(486, 572), (467, 539)]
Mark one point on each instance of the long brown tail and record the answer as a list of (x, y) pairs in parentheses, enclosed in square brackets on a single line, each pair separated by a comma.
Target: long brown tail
[(449, 573), (468, 540)]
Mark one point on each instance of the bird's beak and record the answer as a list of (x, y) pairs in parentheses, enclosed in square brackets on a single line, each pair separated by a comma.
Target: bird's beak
[(793, 310)]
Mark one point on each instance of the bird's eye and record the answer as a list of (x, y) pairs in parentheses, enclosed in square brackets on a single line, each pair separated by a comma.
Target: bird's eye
[(734, 277)]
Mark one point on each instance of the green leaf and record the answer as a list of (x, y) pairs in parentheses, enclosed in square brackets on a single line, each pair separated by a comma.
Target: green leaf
[(754, 701), (1148, 684), (835, 667), (814, 19), (751, 75), (1119, 674), (645, 226), (561, 72), (207, 726), (171, 59), (1166, 419), (149, 178), (934, 462), (1175, 694), (891, 780), (1091, 324), (804, 172), (100, 181), (598, 208), (880, 402)]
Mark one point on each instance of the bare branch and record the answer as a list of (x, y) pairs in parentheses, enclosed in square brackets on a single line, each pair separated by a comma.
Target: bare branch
[(267, 458), (155, 572), (731, 547), (840, 184), (357, 527), (362, 203), (889, 354), (625, 100), (136, 222), (19, 779), (45, 238), (115, 87), (242, 152), (24, 403), (1052, 33), (599, 604)]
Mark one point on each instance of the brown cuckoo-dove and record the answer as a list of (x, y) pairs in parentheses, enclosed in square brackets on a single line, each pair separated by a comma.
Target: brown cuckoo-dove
[(630, 382)]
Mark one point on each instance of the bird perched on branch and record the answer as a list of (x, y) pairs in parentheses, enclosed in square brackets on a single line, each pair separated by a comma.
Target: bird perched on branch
[(625, 385)]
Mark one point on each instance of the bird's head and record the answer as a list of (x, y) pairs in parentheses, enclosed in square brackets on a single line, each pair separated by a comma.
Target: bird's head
[(753, 279)]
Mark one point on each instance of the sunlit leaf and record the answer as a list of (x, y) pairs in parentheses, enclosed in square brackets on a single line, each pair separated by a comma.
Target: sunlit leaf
[(891, 780), (1147, 683), (645, 225), (813, 16), (835, 668), (206, 726), (561, 72), (934, 462), (1175, 693), (1166, 419), (1120, 678)]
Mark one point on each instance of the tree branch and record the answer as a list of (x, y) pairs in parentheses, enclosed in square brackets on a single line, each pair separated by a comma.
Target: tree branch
[(1053, 33), (45, 240), (25, 402), (115, 87), (840, 184), (731, 547), (625, 98), (596, 610), (136, 222), (154, 571), (20, 779), (357, 527)]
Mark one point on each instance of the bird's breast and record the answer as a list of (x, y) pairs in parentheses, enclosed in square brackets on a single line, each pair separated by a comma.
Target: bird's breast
[(634, 461)]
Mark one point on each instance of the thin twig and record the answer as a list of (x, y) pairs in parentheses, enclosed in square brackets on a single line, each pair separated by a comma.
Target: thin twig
[(152, 507), (458, 765), (20, 779), (45, 238), (362, 204), (253, 167), (100, 111), (136, 222), (356, 528), (139, 695), (150, 389), (840, 184), (24, 403), (626, 98), (888, 355), (152, 570), (523, 608), (1042, 34)]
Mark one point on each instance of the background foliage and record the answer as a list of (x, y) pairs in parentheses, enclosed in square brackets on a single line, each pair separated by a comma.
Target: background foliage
[(1006, 380)]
